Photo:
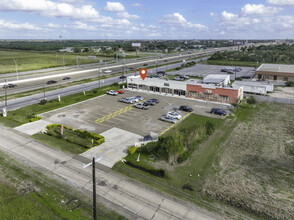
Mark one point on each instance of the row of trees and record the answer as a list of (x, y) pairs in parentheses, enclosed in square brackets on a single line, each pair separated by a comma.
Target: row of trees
[(283, 53)]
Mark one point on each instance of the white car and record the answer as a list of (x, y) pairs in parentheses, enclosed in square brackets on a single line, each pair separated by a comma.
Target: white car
[(168, 119), (107, 71), (112, 92), (174, 115), (141, 106), (127, 100)]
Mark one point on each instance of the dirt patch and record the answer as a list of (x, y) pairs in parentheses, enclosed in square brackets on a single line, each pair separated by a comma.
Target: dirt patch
[(255, 172), (283, 92)]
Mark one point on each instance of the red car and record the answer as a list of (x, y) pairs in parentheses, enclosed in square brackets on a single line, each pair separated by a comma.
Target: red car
[(121, 91)]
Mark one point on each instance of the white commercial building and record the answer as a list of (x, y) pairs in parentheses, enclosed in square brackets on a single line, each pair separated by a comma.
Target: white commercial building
[(255, 87), (217, 79)]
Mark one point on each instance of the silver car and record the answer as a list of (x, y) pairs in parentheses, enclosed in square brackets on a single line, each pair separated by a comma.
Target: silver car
[(112, 92), (141, 106), (168, 119)]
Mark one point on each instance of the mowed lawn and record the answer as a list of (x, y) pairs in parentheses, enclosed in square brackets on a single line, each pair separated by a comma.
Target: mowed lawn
[(31, 60)]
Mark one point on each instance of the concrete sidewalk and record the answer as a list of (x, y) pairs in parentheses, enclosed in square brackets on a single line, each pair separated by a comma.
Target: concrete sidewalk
[(33, 127)]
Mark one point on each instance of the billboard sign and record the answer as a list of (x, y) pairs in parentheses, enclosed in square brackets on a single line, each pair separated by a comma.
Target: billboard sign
[(136, 44)]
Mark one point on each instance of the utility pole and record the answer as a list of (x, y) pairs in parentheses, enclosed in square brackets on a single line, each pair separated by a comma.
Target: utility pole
[(44, 91), (15, 62), (94, 184), (94, 190), (99, 77)]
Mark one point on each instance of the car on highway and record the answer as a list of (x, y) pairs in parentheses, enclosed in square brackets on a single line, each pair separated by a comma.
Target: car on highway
[(51, 82), (66, 78), (185, 77), (141, 106), (9, 85), (140, 98), (150, 102), (174, 115), (154, 100), (107, 71), (111, 92), (122, 77), (218, 111), (120, 91), (168, 119), (185, 108)]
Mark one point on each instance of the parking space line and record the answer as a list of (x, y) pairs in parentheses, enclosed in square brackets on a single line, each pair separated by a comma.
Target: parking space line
[(109, 154), (175, 123), (108, 118), (101, 151)]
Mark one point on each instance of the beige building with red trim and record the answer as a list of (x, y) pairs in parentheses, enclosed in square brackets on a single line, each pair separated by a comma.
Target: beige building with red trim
[(275, 72), (189, 89)]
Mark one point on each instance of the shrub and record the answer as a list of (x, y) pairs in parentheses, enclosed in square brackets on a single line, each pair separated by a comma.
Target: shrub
[(132, 150), (209, 127), (188, 186), (115, 84), (36, 118), (289, 84), (251, 100), (32, 115), (43, 102)]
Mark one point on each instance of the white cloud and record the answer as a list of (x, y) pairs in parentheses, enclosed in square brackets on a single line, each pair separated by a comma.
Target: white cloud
[(53, 9), (114, 7), (178, 19), (253, 9), (281, 2), (137, 5), (127, 15), (18, 26), (82, 26), (51, 25)]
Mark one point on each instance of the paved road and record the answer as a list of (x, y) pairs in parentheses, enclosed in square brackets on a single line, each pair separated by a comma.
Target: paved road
[(141, 202), (33, 99)]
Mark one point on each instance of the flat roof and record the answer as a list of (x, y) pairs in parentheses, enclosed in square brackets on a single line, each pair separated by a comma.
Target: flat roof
[(217, 81), (279, 68)]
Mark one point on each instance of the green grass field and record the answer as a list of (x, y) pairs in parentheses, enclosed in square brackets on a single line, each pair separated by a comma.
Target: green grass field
[(28, 194), (31, 60)]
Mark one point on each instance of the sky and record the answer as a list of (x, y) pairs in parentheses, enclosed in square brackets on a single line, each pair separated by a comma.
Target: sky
[(147, 19)]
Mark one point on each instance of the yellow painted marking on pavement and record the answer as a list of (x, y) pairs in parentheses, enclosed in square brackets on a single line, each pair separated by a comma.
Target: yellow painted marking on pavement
[(121, 110), (108, 118), (161, 133), (114, 116), (110, 114), (127, 107), (115, 112), (101, 150), (109, 154), (172, 126), (101, 121), (125, 111), (103, 117)]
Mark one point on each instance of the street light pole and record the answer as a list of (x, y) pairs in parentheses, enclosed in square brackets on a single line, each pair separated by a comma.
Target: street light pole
[(94, 190), (44, 91), (15, 62)]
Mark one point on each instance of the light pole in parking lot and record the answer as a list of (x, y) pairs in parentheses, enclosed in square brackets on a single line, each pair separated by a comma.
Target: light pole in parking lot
[(44, 91)]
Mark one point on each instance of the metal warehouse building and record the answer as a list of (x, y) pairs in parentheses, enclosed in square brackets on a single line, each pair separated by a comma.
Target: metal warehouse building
[(189, 89), (276, 72)]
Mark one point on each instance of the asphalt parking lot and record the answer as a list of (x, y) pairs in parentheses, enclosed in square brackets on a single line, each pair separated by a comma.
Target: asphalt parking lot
[(103, 113), (121, 124), (202, 70)]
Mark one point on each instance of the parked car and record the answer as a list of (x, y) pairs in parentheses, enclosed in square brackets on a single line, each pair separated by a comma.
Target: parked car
[(66, 78), (122, 77), (127, 100), (178, 78), (147, 138), (140, 98), (112, 92), (121, 91), (145, 64), (218, 111), (185, 108), (223, 70), (141, 106), (150, 102), (9, 85), (51, 82), (168, 119), (154, 100), (184, 77), (174, 115)]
